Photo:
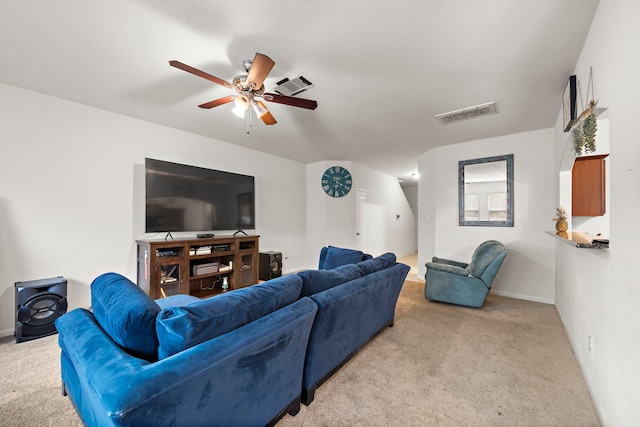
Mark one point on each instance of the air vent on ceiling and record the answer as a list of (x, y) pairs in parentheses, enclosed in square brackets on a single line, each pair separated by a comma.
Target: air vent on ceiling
[(290, 87), (467, 113)]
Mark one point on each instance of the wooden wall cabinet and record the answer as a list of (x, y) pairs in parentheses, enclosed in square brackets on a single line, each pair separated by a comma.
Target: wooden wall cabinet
[(197, 267), (588, 197)]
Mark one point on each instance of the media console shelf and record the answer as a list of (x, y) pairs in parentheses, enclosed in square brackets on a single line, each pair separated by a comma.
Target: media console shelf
[(197, 267)]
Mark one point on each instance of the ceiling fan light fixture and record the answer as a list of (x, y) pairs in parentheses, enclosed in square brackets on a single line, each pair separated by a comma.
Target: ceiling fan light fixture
[(249, 86), (242, 104), (259, 109)]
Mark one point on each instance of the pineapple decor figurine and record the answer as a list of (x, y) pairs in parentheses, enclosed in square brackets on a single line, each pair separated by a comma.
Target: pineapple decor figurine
[(561, 222)]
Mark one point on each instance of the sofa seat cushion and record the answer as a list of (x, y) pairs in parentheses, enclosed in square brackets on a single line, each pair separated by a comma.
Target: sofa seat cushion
[(126, 313), (314, 281), (378, 263), (180, 328), (332, 257)]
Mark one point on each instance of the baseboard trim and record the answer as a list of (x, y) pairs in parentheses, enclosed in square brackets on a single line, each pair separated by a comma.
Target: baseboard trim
[(523, 297)]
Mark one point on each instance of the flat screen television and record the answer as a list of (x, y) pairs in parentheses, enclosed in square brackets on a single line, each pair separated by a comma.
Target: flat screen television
[(189, 198)]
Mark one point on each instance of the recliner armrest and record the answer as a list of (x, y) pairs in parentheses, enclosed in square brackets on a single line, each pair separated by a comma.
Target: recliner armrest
[(447, 268), (450, 262)]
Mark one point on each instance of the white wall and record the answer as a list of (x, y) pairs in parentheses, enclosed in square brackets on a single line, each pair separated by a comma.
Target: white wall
[(598, 292), (529, 269), (331, 221), (411, 193), (71, 198), (392, 226)]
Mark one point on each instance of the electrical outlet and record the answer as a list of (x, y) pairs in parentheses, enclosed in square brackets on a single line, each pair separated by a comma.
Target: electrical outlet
[(590, 343)]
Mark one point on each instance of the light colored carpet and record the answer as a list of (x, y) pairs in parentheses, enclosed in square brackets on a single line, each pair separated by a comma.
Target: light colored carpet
[(507, 364), (30, 386), (412, 261)]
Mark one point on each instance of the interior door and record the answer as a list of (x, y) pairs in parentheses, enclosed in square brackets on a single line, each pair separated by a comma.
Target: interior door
[(362, 224)]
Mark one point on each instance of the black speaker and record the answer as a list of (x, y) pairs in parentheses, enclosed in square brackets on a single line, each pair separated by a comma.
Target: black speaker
[(38, 304), (270, 265)]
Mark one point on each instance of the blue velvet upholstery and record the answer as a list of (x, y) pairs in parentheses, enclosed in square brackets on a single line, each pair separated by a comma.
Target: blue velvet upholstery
[(126, 313), (378, 263), (246, 377), (349, 315), (243, 358), (177, 300), (332, 257), (179, 328), (314, 281), (461, 283)]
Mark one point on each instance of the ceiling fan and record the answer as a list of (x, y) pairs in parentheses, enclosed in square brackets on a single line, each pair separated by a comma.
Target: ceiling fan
[(250, 89)]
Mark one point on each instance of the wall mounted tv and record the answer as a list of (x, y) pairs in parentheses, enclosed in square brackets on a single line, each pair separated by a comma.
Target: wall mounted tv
[(189, 198)]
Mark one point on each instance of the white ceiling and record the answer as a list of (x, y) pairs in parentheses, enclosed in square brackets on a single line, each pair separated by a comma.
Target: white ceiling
[(381, 69)]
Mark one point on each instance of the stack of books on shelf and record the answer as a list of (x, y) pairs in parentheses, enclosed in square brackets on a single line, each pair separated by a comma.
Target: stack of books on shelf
[(165, 252), (202, 250)]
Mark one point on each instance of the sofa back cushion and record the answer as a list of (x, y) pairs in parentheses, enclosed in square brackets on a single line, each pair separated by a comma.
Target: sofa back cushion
[(180, 328), (378, 263), (314, 281), (126, 313), (332, 257)]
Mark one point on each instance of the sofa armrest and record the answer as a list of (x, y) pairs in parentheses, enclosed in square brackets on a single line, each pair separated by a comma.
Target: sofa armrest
[(246, 376), (447, 268)]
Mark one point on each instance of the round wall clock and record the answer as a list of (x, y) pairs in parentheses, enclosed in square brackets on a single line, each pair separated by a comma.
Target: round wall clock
[(336, 181)]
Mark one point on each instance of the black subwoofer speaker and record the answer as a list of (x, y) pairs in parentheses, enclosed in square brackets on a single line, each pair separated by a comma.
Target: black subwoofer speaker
[(270, 265), (38, 304)]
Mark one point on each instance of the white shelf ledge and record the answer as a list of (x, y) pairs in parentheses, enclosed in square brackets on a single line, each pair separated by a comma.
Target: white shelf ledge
[(595, 244)]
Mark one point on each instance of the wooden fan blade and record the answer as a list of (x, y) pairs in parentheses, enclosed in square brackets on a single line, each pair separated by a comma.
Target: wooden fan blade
[(260, 69), (216, 102), (290, 100), (267, 117), (199, 73)]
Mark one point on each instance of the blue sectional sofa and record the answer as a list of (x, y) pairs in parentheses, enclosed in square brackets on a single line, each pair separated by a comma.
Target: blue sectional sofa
[(244, 358), (235, 359), (355, 302)]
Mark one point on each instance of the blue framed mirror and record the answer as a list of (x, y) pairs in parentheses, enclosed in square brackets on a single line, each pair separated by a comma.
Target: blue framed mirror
[(485, 191)]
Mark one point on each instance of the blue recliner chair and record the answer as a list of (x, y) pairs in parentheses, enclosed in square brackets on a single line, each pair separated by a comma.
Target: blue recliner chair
[(465, 284)]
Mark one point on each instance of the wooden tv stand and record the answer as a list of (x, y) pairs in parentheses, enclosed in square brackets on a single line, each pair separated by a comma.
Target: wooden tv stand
[(197, 266)]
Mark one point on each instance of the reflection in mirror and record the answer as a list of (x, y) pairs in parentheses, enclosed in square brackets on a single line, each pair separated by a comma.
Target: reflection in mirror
[(485, 191)]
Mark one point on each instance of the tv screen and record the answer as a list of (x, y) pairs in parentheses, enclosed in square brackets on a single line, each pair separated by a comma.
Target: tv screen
[(190, 198)]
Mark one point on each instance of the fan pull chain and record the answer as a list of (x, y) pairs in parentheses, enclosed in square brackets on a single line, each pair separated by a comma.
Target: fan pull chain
[(248, 120)]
